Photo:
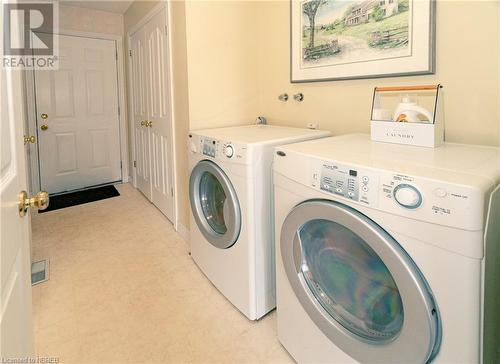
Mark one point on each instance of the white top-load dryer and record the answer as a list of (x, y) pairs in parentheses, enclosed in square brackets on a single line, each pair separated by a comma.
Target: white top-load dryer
[(230, 190), (387, 253)]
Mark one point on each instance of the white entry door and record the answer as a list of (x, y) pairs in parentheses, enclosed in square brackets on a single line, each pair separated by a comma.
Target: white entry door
[(16, 318), (152, 120), (77, 116)]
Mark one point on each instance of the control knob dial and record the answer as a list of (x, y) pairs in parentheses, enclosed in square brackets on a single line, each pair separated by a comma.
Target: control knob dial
[(229, 150), (407, 196)]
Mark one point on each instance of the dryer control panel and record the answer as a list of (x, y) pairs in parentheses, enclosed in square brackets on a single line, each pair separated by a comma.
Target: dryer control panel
[(222, 150), (209, 147)]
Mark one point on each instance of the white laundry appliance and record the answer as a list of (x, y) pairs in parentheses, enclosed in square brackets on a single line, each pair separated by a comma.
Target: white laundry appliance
[(385, 253), (230, 190)]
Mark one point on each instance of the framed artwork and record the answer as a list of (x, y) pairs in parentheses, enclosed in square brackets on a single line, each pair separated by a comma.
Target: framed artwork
[(349, 39)]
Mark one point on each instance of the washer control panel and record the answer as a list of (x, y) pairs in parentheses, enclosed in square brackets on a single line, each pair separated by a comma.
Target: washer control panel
[(353, 183), (415, 197), (340, 180), (433, 196)]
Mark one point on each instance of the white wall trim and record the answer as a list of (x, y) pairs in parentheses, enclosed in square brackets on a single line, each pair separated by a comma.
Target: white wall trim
[(33, 171), (163, 5), (31, 100), (173, 122), (130, 114)]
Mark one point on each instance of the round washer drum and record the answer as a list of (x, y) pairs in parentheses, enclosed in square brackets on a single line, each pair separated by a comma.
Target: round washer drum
[(358, 285), (214, 204)]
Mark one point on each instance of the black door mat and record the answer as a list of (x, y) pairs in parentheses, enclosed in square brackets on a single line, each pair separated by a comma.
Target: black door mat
[(80, 197)]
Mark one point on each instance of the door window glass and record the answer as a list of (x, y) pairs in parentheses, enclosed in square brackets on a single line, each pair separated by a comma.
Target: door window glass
[(350, 281), (212, 199)]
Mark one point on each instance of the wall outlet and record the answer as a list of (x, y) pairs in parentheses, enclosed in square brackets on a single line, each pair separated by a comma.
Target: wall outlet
[(312, 125)]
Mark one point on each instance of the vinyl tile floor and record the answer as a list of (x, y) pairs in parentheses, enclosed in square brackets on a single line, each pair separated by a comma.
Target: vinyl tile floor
[(123, 289)]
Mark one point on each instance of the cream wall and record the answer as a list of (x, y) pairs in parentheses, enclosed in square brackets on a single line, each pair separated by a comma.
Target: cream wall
[(468, 50), (222, 58), (238, 63), (89, 20)]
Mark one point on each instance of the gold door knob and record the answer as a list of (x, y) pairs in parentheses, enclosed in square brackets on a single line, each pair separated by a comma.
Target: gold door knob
[(44, 116), (29, 139), (149, 124), (40, 202), (144, 123), (44, 127)]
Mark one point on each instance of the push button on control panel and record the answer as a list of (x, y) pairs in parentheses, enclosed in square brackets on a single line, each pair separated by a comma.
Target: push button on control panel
[(439, 192)]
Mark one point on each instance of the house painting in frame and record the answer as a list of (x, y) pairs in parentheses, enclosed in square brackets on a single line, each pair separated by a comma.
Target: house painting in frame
[(345, 39)]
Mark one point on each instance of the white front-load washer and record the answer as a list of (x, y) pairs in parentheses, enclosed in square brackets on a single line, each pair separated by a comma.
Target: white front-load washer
[(386, 253), (230, 190)]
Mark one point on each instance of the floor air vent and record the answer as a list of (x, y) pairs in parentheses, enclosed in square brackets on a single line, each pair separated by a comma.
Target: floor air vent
[(39, 272)]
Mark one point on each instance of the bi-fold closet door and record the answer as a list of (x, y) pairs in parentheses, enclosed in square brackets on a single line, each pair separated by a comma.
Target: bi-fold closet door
[(152, 122)]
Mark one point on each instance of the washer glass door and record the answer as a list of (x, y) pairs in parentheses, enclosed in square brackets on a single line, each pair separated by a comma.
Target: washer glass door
[(350, 280), (214, 204), (358, 284)]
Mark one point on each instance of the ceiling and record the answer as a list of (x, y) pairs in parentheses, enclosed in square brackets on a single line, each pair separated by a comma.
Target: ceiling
[(118, 7)]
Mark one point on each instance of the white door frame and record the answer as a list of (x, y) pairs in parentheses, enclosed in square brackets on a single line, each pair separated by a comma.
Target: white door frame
[(29, 78), (163, 5)]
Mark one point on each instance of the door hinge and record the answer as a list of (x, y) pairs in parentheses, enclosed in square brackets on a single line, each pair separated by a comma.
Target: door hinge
[(166, 31), (118, 110), (130, 52), (116, 54), (121, 165), (172, 191), (135, 163)]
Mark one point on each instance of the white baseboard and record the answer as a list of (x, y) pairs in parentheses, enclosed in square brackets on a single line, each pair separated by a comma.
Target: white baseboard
[(183, 232)]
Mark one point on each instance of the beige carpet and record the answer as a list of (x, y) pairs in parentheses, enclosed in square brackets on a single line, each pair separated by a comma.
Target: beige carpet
[(123, 289)]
